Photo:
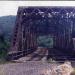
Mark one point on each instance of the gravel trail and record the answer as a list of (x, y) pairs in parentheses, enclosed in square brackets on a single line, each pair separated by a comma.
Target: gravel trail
[(27, 68)]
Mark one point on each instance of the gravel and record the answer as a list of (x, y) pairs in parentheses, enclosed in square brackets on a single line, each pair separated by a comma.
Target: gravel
[(28, 68)]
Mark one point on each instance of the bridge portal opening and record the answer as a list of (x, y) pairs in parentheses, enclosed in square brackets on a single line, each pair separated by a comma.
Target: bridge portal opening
[(45, 41)]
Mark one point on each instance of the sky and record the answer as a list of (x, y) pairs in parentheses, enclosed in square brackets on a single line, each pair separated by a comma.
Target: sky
[(11, 7)]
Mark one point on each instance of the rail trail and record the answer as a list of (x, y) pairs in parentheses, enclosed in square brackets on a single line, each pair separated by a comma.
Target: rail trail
[(42, 54), (37, 55)]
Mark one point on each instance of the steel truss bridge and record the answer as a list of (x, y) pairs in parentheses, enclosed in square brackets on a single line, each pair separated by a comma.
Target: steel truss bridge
[(31, 22)]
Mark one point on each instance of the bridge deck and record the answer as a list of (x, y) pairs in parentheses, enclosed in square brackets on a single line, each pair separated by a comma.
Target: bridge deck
[(42, 54)]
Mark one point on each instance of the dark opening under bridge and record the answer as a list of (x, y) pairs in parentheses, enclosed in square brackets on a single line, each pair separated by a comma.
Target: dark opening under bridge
[(32, 22)]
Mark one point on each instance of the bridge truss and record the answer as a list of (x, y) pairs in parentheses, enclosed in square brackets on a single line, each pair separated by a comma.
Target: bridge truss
[(59, 23)]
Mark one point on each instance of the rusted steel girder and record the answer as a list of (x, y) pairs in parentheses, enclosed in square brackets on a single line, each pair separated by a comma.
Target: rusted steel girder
[(26, 28)]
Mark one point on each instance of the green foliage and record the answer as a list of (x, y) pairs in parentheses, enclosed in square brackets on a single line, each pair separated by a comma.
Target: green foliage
[(45, 41), (6, 25), (3, 48)]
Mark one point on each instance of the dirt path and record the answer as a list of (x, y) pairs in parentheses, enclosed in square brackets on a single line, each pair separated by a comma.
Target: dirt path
[(27, 68)]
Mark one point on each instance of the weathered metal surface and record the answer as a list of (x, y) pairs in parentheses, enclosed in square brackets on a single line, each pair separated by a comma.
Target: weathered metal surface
[(59, 24)]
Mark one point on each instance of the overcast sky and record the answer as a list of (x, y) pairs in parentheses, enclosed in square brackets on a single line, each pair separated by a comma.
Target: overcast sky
[(11, 7)]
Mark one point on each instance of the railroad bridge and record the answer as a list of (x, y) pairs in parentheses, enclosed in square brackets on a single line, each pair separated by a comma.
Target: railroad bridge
[(32, 22)]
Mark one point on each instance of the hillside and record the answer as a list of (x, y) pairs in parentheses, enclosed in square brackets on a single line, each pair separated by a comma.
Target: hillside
[(6, 25)]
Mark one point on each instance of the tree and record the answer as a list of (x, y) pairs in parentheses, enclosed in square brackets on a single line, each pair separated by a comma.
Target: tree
[(45, 41), (3, 47)]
